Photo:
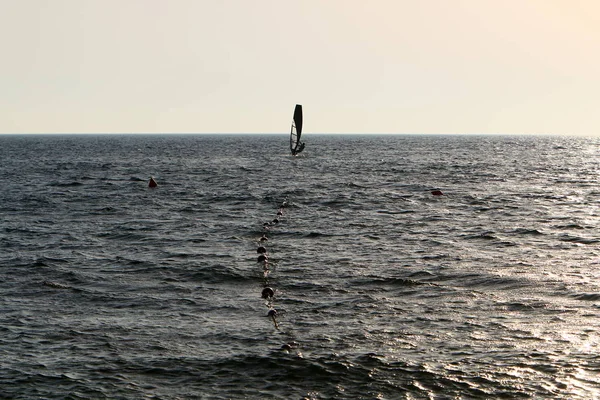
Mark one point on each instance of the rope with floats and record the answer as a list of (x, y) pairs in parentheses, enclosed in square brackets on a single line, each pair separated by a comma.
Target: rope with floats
[(268, 293)]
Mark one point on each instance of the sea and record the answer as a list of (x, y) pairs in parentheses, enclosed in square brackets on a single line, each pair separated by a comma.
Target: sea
[(110, 289)]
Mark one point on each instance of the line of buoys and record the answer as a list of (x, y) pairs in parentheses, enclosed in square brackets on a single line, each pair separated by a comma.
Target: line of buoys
[(268, 293)]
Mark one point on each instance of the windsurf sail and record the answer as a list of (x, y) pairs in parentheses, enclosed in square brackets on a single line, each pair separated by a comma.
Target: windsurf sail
[(295, 145)]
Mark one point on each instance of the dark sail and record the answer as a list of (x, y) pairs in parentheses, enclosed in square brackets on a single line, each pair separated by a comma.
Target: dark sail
[(295, 145)]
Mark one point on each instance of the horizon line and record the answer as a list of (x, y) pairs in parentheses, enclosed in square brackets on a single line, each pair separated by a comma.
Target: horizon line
[(285, 134)]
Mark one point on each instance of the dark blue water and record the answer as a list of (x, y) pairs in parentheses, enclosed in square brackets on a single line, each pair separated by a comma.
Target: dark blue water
[(112, 290)]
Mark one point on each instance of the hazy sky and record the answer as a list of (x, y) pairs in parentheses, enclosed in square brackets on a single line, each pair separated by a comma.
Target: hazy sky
[(356, 66)]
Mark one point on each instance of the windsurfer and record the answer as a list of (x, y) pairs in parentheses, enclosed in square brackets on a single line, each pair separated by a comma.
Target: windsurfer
[(298, 150)]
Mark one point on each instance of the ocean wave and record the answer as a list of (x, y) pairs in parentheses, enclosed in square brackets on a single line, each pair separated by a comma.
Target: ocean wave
[(586, 296), (570, 226), (219, 274), (577, 239), (527, 232), (486, 235), (65, 184)]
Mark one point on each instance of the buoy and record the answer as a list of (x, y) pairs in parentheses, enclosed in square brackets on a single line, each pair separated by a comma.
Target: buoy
[(280, 213), (152, 183), (272, 313), (437, 193), (262, 258), (276, 221), (263, 238), (261, 250), (267, 293)]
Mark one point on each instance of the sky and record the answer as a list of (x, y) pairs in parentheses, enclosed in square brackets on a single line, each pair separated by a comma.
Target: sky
[(356, 66)]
